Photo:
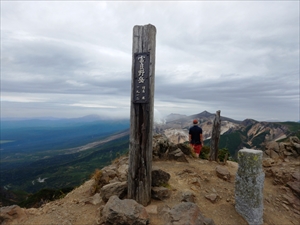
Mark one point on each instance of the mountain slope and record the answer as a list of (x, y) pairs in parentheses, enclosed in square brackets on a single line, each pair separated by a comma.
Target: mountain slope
[(234, 134)]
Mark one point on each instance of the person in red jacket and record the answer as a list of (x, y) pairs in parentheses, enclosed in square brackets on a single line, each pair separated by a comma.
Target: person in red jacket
[(196, 138)]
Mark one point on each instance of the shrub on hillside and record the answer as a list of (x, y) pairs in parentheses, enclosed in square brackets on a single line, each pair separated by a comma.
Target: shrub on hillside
[(221, 153), (204, 152)]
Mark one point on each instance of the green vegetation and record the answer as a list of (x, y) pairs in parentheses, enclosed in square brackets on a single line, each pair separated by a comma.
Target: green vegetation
[(294, 127), (40, 155), (63, 170), (204, 154), (43, 196)]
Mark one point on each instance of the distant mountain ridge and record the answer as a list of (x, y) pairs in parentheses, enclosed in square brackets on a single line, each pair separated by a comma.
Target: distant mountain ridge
[(235, 134)]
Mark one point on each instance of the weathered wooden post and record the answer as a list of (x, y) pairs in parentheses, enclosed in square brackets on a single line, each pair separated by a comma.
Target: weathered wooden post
[(141, 113), (249, 184), (215, 137)]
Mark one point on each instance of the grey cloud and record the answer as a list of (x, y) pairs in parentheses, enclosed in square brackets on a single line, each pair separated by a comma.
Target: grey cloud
[(240, 56)]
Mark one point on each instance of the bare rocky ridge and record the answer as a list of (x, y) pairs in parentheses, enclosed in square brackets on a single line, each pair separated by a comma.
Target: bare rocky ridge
[(208, 185), (253, 134)]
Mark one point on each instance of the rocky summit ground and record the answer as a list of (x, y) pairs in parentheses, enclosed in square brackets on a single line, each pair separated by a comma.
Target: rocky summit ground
[(213, 195)]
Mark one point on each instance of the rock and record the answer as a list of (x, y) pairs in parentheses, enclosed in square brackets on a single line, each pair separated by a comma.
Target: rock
[(160, 193), (161, 146), (124, 212), (118, 188), (196, 181), (177, 155), (151, 209), (268, 162), (223, 173), (274, 154), (188, 196), (212, 197), (159, 177), (109, 173), (295, 186), (273, 145), (295, 143), (296, 175), (287, 153), (10, 213), (123, 172), (95, 199), (187, 213), (292, 200), (185, 148), (268, 152), (281, 176)]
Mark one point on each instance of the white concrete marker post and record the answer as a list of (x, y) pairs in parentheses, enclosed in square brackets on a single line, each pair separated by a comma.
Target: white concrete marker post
[(249, 183)]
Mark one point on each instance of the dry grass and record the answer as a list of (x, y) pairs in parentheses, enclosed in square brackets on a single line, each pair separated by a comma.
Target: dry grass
[(97, 184)]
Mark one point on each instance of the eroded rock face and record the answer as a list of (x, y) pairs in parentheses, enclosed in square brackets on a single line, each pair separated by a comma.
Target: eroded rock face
[(289, 149), (124, 212), (164, 149)]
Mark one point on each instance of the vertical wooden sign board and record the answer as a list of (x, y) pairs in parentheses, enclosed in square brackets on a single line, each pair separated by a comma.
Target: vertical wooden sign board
[(141, 114)]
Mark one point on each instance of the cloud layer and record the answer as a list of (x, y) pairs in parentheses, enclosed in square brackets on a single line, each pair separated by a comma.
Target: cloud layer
[(69, 59)]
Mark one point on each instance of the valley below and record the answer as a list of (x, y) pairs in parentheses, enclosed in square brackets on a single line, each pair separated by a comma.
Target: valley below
[(57, 155)]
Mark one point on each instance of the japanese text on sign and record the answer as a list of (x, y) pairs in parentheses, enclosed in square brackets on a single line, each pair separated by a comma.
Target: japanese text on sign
[(141, 78)]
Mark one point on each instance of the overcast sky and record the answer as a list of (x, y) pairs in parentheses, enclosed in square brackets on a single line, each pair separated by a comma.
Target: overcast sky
[(71, 59)]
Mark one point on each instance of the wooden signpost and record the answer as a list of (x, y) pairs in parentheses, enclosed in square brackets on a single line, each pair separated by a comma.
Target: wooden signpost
[(215, 137), (141, 113)]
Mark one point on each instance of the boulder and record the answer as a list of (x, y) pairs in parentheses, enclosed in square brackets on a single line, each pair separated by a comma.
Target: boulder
[(124, 212), (159, 177), (160, 193), (161, 146), (187, 213), (177, 155), (185, 148), (118, 188), (223, 173)]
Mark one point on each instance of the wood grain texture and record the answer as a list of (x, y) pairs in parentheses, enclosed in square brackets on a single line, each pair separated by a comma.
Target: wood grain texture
[(141, 122), (215, 137)]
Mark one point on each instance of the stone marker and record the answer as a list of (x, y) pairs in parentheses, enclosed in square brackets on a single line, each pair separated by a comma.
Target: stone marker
[(249, 185)]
